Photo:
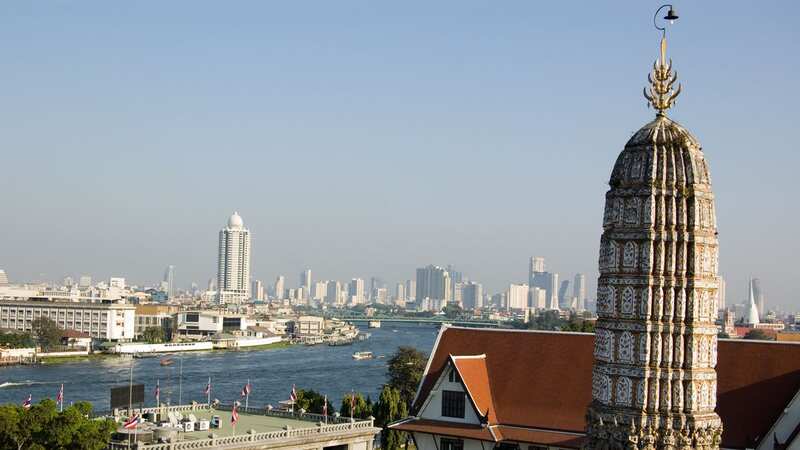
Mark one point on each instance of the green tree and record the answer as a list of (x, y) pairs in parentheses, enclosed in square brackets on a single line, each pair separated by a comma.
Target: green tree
[(363, 407), (405, 372), (312, 401), (389, 408), (43, 427), (453, 311), (16, 340), (153, 335), (47, 332), (757, 334)]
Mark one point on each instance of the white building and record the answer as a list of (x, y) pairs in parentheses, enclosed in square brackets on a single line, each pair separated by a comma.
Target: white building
[(169, 279), (355, 291), (208, 323), (105, 321), (305, 283), (517, 297), (233, 273), (579, 291), (3, 278), (538, 298), (257, 290), (280, 288)]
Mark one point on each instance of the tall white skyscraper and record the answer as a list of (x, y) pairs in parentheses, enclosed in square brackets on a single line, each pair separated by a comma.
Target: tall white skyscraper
[(411, 290), (169, 279), (233, 270), (579, 291), (400, 293), (553, 291), (721, 294), (355, 291), (257, 290), (305, 281), (517, 296), (3, 278), (280, 287)]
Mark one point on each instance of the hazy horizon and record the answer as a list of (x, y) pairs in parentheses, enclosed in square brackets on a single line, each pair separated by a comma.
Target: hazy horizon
[(362, 139)]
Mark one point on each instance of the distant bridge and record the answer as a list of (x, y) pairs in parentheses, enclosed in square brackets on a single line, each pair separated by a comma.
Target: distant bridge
[(423, 320)]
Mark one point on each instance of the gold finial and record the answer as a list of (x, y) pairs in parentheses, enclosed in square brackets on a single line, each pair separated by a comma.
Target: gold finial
[(661, 96)]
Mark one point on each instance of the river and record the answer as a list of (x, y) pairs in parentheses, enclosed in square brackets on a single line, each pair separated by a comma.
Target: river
[(329, 370)]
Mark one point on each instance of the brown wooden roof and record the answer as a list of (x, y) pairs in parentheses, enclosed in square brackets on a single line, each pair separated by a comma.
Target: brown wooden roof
[(542, 380)]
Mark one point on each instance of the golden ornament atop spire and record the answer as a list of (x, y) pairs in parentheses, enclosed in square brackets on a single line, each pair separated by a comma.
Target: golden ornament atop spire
[(661, 96)]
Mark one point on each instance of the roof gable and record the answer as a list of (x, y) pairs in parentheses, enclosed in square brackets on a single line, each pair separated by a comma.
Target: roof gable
[(475, 377)]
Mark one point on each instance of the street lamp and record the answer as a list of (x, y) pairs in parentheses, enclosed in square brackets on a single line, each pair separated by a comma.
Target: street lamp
[(671, 16)]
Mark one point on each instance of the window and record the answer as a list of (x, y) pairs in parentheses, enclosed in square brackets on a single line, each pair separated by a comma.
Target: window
[(453, 404), (192, 317), (451, 444), (453, 376)]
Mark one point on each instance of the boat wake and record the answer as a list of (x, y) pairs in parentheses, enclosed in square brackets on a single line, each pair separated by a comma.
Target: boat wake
[(11, 384)]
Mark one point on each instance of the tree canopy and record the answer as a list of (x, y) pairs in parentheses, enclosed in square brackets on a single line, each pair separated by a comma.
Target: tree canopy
[(153, 335), (16, 340), (405, 372), (362, 410), (312, 401), (757, 334), (389, 408), (47, 332), (43, 427)]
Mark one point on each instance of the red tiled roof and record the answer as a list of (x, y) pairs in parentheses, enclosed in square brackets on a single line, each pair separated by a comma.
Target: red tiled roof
[(542, 380), (497, 433), (541, 437), (441, 428), (472, 370)]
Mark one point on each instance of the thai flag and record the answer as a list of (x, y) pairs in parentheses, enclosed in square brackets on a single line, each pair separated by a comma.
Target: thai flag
[(132, 422), (207, 390), (234, 415), (293, 395), (60, 395), (27, 403), (247, 389)]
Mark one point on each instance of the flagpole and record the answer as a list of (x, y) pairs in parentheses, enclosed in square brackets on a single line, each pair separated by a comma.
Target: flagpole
[(61, 407), (130, 399), (209, 392), (180, 382), (247, 396)]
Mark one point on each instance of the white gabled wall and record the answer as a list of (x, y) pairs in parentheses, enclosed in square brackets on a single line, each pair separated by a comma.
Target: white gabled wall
[(429, 442), (432, 409)]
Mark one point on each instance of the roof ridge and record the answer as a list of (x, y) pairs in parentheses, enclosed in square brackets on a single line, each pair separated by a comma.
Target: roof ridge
[(515, 330)]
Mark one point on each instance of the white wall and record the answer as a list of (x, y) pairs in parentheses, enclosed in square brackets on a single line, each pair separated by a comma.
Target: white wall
[(433, 407), (160, 348)]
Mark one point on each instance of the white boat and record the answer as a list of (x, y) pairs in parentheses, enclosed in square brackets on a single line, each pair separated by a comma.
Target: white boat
[(374, 323), (362, 355)]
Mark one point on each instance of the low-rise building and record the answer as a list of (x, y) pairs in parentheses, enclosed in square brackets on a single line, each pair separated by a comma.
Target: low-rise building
[(103, 321), (154, 315), (209, 323), (308, 326)]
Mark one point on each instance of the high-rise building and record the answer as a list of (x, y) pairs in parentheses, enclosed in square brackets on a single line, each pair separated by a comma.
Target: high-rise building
[(538, 298), (3, 278), (654, 382), (721, 303), (536, 265), (279, 290), (257, 290), (472, 295), (233, 268), (433, 282), (333, 292), (579, 291), (116, 282), (552, 291), (305, 281), (752, 316), (400, 293), (169, 278), (355, 291), (381, 296), (517, 297), (758, 293), (563, 301), (411, 290), (320, 290)]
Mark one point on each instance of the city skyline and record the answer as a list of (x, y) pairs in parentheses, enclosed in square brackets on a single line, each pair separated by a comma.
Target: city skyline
[(498, 103)]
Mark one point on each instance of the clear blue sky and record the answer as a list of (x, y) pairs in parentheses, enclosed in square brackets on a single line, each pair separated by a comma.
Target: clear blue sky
[(365, 138)]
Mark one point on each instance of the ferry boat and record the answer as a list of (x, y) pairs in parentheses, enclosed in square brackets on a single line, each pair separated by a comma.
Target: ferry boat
[(374, 323), (362, 355)]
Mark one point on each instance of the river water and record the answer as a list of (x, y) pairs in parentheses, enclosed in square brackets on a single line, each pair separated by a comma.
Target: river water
[(329, 370)]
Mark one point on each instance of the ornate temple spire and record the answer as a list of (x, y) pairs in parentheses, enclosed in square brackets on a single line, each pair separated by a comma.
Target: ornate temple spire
[(661, 96), (654, 383)]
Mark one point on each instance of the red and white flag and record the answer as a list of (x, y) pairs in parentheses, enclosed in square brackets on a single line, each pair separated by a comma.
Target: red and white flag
[(207, 390), (247, 389), (293, 395), (28, 401), (60, 395), (325, 407), (132, 422), (234, 414)]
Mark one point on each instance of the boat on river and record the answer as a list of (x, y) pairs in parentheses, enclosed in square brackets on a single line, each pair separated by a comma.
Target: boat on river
[(167, 362), (362, 355)]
